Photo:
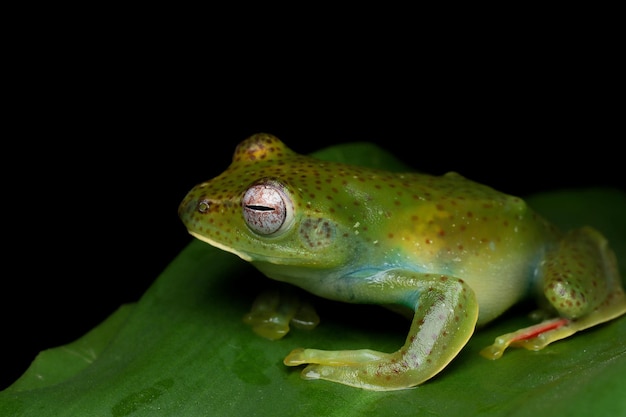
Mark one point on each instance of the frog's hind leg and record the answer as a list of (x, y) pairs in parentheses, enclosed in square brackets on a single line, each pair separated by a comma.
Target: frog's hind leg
[(446, 312), (581, 281)]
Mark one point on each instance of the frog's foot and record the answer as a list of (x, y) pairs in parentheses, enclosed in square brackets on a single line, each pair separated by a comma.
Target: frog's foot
[(444, 320), (273, 311), (541, 335), (532, 338), (363, 368), (582, 282)]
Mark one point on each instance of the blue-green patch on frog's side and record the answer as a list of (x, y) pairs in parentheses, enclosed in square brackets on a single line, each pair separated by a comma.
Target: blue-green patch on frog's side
[(188, 328)]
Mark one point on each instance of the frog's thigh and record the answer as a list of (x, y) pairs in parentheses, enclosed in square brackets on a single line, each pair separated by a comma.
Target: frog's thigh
[(582, 282), (445, 316)]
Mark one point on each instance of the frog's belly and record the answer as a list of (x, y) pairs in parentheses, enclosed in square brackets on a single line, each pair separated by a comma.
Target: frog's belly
[(498, 286), (497, 290)]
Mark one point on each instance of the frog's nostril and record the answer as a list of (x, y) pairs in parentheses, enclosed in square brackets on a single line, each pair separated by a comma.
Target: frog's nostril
[(203, 206)]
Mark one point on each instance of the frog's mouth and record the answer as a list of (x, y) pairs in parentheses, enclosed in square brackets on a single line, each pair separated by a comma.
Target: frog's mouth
[(246, 256), (221, 246)]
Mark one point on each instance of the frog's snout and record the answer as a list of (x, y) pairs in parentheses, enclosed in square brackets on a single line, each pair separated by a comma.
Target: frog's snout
[(188, 209), (183, 209), (198, 211)]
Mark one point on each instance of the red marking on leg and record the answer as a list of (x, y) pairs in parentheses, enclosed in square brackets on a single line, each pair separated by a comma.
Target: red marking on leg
[(535, 331)]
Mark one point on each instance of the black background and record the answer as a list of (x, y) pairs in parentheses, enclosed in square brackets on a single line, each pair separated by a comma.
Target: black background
[(105, 149)]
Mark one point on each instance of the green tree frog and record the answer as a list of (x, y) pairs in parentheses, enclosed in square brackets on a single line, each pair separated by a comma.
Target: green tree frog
[(452, 252)]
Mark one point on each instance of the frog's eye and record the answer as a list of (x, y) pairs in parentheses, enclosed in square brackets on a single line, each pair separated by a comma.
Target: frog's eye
[(267, 209)]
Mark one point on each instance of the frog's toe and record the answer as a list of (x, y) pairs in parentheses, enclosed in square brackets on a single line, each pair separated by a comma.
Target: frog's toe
[(296, 357), (346, 375), (332, 357), (305, 317), (311, 372)]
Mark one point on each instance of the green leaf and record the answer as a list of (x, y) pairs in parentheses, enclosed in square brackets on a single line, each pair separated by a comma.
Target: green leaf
[(183, 349), (56, 365)]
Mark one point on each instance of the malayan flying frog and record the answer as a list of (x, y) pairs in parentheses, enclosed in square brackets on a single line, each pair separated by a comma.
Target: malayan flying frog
[(455, 253)]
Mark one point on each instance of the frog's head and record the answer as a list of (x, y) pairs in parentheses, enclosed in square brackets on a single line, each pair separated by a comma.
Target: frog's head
[(264, 208)]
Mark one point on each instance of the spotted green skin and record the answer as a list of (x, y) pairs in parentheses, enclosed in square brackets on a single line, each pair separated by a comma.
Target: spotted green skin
[(455, 253)]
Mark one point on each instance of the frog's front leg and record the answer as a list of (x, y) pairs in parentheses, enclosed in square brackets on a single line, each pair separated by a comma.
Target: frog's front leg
[(446, 312), (581, 281), (273, 311)]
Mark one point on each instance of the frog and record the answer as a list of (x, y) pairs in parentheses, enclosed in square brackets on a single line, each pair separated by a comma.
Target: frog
[(449, 253)]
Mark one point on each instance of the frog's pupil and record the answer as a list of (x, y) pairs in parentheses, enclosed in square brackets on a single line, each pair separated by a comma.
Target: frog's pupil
[(259, 208)]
